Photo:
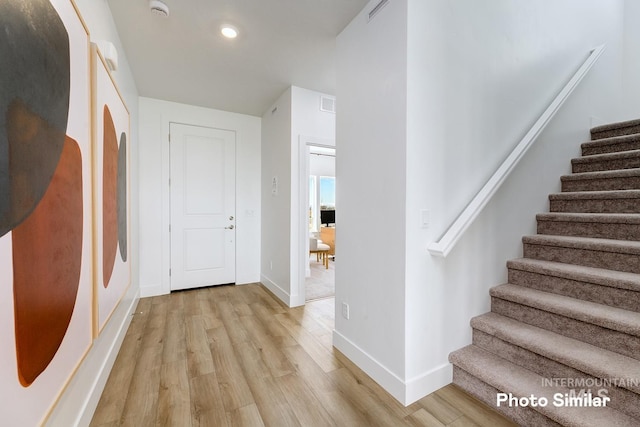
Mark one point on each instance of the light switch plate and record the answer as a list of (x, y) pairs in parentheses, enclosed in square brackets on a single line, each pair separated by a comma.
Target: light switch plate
[(424, 218)]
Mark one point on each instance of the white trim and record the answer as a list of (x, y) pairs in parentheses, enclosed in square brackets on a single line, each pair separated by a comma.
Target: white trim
[(180, 118), (165, 265), (405, 392), (422, 385), (448, 240), (393, 384), (152, 290), (80, 399), (301, 235), (276, 289)]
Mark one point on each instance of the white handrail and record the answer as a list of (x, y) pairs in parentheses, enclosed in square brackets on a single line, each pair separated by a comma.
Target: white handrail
[(448, 240)]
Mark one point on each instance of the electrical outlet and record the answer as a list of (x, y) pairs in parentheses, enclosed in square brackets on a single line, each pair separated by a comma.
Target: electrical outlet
[(345, 310)]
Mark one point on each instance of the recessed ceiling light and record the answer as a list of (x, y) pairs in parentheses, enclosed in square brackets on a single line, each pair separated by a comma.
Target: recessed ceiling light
[(229, 31)]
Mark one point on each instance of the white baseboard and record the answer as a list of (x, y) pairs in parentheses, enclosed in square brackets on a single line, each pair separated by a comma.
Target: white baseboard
[(276, 290), (380, 374), (152, 291), (80, 399), (422, 385), (404, 392), (296, 301)]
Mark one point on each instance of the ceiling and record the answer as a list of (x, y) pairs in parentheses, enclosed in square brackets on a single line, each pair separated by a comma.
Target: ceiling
[(183, 58)]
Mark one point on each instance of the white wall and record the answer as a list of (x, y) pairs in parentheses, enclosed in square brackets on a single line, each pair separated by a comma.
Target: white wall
[(631, 82), (78, 402), (155, 117), (276, 208), (370, 181), (491, 69), (308, 124), (296, 120), (425, 117)]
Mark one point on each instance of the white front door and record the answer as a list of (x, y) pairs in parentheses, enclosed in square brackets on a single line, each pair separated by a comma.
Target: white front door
[(203, 192)]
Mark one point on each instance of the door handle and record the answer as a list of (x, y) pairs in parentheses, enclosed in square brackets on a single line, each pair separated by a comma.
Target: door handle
[(231, 227)]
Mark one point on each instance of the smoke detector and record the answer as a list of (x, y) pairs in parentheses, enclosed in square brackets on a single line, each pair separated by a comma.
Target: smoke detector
[(159, 8)]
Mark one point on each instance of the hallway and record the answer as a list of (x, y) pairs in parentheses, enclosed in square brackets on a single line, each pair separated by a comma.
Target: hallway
[(234, 355)]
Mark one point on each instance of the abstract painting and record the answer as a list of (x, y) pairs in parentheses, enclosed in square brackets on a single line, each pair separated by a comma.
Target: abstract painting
[(45, 204), (111, 189)]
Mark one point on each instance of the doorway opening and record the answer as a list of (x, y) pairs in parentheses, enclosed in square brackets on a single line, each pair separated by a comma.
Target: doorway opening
[(318, 220)]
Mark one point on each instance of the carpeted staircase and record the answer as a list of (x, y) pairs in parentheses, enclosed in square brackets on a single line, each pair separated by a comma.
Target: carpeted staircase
[(569, 316)]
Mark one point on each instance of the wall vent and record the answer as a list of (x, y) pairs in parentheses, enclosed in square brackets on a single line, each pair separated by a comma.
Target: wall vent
[(377, 9), (327, 104)]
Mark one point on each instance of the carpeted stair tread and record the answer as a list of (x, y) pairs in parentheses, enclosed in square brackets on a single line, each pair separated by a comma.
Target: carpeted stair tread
[(622, 173), (622, 255), (616, 125), (589, 359), (608, 161), (571, 308), (598, 276), (508, 377), (611, 218), (596, 195), (587, 243), (614, 129), (608, 201), (599, 284), (623, 179), (521, 416), (611, 145), (612, 318), (622, 226)]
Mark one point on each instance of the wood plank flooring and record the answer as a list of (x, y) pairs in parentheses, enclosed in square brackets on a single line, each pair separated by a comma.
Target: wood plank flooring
[(236, 356)]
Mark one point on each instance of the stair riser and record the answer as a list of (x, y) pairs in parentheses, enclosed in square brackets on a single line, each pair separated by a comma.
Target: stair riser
[(590, 150), (602, 184), (619, 342), (596, 205), (482, 391), (606, 165), (614, 297), (587, 257), (629, 130), (590, 229), (625, 401)]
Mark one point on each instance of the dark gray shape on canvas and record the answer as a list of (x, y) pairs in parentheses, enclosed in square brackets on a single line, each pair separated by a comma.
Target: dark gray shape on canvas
[(122, 196), (34, 86)]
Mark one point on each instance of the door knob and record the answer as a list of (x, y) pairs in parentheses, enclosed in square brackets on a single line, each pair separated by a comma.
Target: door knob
[(231, 227), (231, 218)]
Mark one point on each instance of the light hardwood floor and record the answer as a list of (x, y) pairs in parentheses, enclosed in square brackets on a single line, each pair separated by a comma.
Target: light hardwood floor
[(236, 356)]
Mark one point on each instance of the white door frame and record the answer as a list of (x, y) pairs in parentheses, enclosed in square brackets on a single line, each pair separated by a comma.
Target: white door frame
[(304, 142), (164, 287), (209, 221)]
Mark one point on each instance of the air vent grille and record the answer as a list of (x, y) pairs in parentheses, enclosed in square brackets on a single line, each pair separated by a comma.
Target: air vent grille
[(377, 9), (327, 104)]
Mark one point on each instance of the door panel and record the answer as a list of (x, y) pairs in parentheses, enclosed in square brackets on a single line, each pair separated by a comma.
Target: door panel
[(202, 206)]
